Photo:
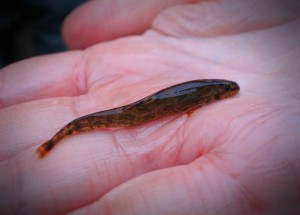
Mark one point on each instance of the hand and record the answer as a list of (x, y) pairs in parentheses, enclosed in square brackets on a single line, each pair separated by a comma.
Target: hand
[(235, 156)]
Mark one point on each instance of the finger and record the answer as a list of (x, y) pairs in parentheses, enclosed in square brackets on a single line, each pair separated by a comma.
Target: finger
[(23, 126), (98, 21), (42, 77), (214, 18), (190, 189)]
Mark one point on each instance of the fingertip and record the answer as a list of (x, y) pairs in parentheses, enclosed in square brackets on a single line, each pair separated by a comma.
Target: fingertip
[(98, 21), (75, 28)]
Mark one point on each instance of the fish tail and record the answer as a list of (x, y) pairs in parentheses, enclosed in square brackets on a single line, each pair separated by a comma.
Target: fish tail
[(76, 126), (44, 149)]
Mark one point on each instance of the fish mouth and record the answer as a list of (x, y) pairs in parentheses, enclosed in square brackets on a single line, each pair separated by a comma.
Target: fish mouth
[(235, 89), (233, 93), (229, 94)]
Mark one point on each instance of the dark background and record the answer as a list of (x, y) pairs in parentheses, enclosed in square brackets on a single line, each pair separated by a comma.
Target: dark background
[(32, 27)]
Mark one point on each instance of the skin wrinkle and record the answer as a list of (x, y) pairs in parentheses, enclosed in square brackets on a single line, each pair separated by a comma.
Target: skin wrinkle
[(100, 197), (177, 145), (96, 197), (207, 59), (74, 109), (257, 107), (146, 157), (115, 142), (72, 207), (203, 149), (90, 184), (189, 190), (106, 168), (201, 57), (89, 70), (217, 141), (110, 80), (180, 141), (177, 137), (247, 130), (198, 169), (234, 28), (278, 56), (6, 159), (80, 78), (138, 132), (163, 150), (234, 138), (194, 183), (250, 197), (255, 204), (159, 23), (125, 156), (131, 98), (220, 168), (144, 201), (96, 168), (193, 55)]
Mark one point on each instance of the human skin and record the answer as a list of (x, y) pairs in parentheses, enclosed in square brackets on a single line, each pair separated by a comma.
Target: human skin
[(236, 156)]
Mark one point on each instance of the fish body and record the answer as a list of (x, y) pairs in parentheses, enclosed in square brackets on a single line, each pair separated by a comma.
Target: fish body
[(180, 98)]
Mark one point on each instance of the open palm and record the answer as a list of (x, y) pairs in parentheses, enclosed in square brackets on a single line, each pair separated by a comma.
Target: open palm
[(239, 155)]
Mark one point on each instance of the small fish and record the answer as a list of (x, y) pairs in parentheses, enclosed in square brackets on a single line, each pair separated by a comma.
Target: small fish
[(181, 98)]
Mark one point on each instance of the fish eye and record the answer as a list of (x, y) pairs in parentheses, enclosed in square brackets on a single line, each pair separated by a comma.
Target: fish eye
[(226, 87)]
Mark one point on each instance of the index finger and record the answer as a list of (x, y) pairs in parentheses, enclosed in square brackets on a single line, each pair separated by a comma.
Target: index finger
[(43, 77)]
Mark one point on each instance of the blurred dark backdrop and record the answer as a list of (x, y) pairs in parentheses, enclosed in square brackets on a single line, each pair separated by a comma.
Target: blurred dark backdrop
[(32, 27)]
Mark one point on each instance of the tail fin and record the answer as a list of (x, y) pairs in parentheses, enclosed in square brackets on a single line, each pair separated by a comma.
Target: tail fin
[(73, 127), (43, 149)]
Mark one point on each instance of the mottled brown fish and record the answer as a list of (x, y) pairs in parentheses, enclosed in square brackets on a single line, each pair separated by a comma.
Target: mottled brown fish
[(181, 98)]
